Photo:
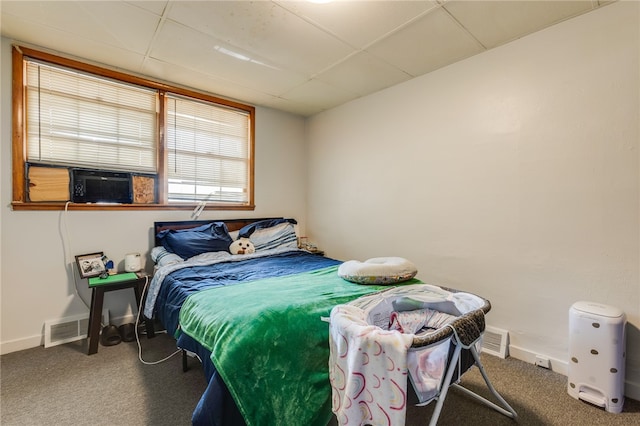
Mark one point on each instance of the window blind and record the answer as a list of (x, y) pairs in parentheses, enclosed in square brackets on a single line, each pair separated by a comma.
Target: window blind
[(82, 120), (208, 151)]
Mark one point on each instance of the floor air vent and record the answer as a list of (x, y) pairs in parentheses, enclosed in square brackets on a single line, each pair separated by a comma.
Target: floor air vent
[(69, 329), (495, 341)]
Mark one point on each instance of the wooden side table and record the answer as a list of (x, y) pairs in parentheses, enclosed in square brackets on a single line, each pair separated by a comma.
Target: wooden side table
[(99, 287)]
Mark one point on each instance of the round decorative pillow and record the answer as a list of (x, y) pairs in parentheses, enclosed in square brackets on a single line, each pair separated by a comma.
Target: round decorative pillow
[(379, 270)]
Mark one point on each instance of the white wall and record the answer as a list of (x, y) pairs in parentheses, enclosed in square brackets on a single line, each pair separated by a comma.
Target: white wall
[(512, 174), (37, 246)]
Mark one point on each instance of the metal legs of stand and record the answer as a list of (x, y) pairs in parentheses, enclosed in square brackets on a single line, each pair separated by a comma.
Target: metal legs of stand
[(507, 410)]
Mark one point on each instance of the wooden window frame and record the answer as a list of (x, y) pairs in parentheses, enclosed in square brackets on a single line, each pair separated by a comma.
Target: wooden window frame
[(19, 149)]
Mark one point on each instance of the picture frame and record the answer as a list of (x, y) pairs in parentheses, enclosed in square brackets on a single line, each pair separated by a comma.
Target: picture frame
[(90, 265)]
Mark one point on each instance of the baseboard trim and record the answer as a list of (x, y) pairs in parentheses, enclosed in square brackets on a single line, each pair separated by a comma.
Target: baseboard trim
[(125, 319), (631, 387), (21, 344), (557, 365), (632, 390), (38, 340)]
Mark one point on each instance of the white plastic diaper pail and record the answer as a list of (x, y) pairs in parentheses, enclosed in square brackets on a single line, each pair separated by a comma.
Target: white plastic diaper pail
[(597, 344)]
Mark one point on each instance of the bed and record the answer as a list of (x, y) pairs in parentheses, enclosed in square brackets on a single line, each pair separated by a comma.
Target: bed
[(263, 308), (255, 320)]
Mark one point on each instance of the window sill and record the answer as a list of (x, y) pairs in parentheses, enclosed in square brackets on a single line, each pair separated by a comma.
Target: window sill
[(18, 205)]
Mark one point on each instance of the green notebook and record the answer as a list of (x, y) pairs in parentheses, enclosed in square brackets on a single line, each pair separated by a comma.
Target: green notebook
[(112, 279)]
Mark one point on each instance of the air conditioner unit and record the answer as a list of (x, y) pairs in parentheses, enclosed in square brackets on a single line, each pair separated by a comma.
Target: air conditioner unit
[(101, 186)]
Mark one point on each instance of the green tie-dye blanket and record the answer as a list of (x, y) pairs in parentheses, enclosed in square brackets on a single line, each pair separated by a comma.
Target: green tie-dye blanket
[(269, 343)]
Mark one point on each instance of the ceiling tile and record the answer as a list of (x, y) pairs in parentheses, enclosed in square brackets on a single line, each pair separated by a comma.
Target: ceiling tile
[(427, 44), (318, 94), (183, 76), (114, 24), (156, 7), (196, 80), (288, 105), (264, 27), (381, 17), (498, 22), (178, 44), (363, 73), (38, 36)]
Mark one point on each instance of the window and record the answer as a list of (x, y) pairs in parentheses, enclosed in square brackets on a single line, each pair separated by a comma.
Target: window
[(208, 154), (81, 120), (178, 146)]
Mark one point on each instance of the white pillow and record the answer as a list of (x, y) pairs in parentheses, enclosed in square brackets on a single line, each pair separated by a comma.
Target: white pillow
[(162, 257), (378, 270), (279, 236)]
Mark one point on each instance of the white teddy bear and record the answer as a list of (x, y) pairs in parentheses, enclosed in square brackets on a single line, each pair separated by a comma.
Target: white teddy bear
[(242, 246)]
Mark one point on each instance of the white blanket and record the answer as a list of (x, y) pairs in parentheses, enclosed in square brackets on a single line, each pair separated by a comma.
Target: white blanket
[(362, 385), (367, 370)]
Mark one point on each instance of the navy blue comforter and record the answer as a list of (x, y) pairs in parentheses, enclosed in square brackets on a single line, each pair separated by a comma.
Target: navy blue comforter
[(217, 407), (178, 285)]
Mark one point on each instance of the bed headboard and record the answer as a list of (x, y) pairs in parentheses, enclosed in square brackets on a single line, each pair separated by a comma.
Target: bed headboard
[(232, 225)]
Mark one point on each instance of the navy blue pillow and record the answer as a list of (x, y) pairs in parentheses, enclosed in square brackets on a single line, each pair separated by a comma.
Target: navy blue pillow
[(247, 230), (187, 243)]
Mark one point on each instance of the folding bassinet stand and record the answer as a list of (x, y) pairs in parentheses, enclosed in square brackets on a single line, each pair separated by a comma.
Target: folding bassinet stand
[(466, 331), (463, 334)]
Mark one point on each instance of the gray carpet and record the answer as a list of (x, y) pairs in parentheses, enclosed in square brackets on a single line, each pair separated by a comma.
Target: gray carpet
[(64, 386)]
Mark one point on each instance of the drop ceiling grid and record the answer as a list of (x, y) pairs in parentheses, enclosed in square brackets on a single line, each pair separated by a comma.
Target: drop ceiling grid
[(295, 56)]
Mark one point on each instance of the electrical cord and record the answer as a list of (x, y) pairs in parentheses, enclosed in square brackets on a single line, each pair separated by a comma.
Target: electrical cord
[(77, 291), (67, 256), (144, 291)]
